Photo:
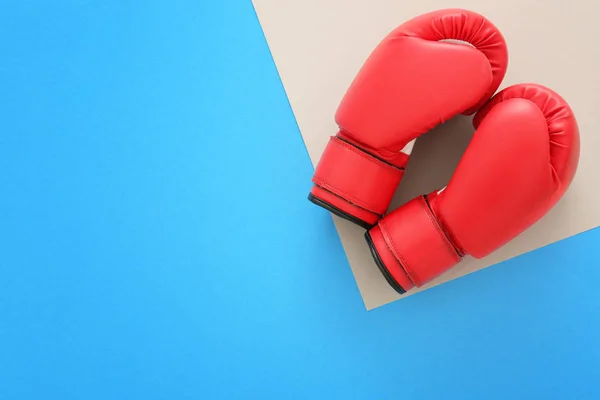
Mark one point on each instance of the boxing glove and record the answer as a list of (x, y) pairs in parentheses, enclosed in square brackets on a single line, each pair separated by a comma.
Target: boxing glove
[(520, 161), (411, 82)]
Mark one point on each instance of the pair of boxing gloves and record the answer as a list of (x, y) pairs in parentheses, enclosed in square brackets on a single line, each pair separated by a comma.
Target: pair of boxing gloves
[(519, 163)]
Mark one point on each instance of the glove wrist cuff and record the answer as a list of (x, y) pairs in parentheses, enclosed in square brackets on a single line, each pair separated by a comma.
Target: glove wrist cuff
[(411, 245), (357, 177)]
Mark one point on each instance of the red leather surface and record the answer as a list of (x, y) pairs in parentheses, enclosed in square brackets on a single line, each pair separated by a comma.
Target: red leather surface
[(412, 82), (358, 212), (521, 160), (415, 226), (389, 260), (375, 181)]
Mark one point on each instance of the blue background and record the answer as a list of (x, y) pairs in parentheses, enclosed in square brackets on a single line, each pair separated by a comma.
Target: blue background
[(156, 241)]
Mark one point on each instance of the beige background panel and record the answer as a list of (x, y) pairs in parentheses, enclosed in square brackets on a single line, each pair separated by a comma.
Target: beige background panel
[(319, 45)]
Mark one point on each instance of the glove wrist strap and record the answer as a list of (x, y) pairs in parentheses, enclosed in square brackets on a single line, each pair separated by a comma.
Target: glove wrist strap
[(418, 243), (356, 176)]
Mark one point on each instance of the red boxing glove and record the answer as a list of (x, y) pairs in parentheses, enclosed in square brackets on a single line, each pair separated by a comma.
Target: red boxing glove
[(520, 162), (411, 82)]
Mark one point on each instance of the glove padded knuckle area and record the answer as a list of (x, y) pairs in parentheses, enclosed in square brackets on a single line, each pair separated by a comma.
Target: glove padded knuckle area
[(563, 131), (467, 26)]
